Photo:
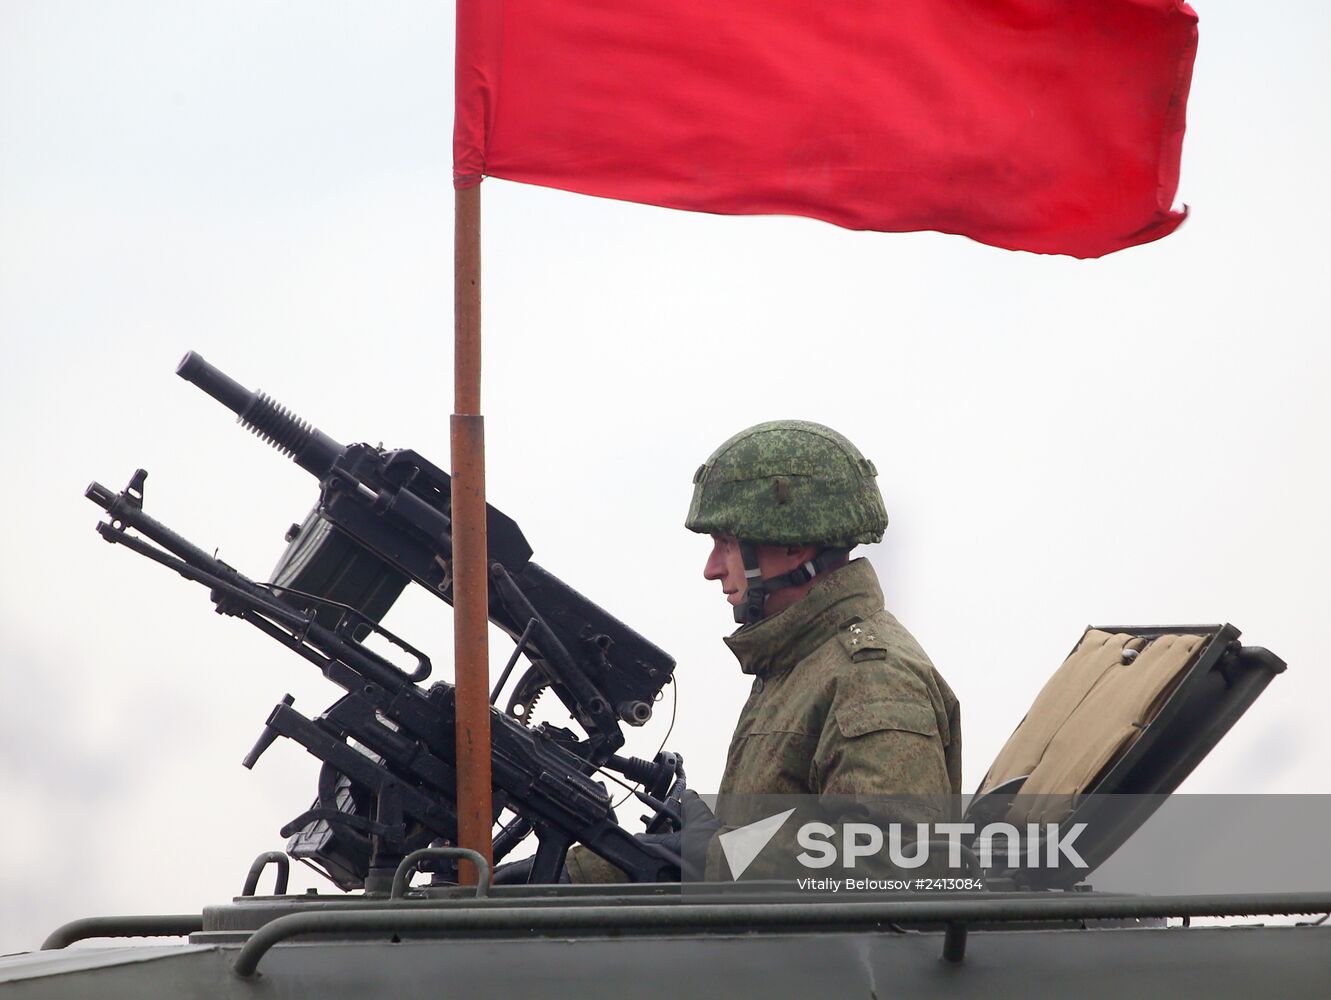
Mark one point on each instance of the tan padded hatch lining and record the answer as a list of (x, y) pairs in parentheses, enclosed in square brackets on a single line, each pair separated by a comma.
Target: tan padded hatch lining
[(1061, 694), (1086, 717)]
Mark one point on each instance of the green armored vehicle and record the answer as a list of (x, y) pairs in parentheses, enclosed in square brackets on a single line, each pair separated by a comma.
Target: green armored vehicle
[(1017, 908)]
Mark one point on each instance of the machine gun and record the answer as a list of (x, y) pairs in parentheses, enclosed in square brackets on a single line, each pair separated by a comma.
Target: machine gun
[(388, 783)]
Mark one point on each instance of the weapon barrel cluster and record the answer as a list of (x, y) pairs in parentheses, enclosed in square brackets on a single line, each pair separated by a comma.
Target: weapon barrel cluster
[(383, 519)]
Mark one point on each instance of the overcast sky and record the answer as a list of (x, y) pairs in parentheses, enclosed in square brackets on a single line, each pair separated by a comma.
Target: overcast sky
[(1136, 440)]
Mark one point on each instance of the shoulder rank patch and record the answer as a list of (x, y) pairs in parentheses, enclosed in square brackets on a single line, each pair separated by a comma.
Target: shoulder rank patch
[(860, 639)]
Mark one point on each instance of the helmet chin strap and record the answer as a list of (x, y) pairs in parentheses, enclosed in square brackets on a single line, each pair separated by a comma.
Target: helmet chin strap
[(752, 609)]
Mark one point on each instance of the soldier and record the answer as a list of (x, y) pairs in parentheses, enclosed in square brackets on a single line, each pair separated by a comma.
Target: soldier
[(844, 701)]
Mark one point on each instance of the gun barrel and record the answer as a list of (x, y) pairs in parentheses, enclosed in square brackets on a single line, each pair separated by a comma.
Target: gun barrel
[(309, 447)]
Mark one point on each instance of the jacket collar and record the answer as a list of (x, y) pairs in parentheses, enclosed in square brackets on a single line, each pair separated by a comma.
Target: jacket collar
[(776, 644)]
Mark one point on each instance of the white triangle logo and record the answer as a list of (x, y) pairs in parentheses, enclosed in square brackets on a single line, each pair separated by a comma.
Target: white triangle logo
[(743, 845)]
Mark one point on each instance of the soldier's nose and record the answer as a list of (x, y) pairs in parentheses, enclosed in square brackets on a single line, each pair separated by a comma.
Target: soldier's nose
[(715, 567)]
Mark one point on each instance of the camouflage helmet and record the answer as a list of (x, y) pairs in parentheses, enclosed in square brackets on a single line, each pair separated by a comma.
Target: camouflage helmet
[(788, 482)]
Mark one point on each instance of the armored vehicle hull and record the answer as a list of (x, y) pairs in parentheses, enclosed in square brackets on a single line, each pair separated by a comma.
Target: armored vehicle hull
[(651, 941)]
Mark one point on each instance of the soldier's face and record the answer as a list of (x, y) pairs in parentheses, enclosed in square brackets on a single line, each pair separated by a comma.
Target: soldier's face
[(727, 565)]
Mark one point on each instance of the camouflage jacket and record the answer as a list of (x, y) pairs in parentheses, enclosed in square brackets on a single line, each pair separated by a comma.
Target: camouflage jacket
[(844, 703)]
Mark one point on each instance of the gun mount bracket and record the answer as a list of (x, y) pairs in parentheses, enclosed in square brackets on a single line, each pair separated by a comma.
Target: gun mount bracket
[(530, 687)]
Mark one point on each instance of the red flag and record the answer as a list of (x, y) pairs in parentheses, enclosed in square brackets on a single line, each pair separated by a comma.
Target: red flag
[(1047, 125)]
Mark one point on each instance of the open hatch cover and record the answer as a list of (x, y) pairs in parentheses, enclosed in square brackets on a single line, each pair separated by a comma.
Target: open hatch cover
[(1131, 712)]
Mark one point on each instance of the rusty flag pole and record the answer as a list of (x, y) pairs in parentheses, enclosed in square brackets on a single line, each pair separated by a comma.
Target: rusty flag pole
[(471, 597)]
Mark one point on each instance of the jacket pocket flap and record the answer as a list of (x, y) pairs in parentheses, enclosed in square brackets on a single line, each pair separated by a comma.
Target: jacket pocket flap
[(907, 716)]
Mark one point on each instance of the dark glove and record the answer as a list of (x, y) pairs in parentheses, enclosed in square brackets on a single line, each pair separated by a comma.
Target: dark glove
[(701, 825), (699, 820), (518, 872)]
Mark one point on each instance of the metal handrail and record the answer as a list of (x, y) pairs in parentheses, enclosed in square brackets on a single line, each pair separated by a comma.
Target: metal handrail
[(156, 925), (256, 869), (402, 877), (772, 917)]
